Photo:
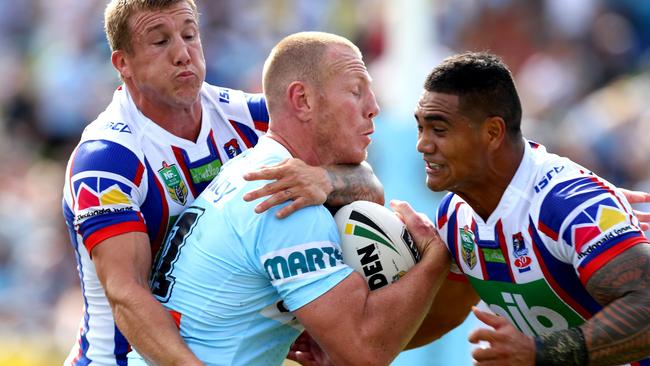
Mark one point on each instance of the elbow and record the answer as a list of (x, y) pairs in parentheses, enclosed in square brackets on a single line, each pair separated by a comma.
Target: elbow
[(124, 295)]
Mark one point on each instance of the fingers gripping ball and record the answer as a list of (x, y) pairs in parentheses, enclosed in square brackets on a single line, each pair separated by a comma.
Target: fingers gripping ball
[(375, 243)]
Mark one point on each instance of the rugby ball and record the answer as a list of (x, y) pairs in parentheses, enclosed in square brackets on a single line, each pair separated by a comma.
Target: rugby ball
[(375, 242)]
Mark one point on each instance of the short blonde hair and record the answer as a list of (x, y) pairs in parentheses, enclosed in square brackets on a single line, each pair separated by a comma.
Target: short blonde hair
[(118, 12), (298, 57)]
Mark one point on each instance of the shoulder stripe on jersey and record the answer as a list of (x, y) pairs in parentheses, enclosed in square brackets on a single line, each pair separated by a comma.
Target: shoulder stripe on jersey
[(452, 241), (608, 189), (156, 208), (571, 290), (138, 175), (533, 144), (259, 113), (101, 155), (607, 253), (246, 133), (562, 199), (548, 231), (443, 209)]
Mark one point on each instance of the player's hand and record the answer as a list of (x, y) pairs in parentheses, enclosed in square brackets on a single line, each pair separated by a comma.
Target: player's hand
[(422, 230), (293, 180), (639, 197), (507, 345), (307, 352)]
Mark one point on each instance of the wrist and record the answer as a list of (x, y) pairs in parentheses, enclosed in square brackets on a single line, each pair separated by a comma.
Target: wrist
[(329, 177), (562, 348)]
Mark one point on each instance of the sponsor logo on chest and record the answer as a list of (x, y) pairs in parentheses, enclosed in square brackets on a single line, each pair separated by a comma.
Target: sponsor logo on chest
[(533, 307)]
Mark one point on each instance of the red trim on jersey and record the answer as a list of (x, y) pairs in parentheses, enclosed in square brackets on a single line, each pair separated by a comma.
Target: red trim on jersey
[(76, 359), (554, 285), (443, 220), (457, 277), (241, 134), (214, 145), (455, 242), (481, 257), (547, 230), (504, 249), (111, 231), (608, 189), (138, 175), (177, 317), (164, 220), (261, 126), (456, 245), (609, 254), (186, 171)]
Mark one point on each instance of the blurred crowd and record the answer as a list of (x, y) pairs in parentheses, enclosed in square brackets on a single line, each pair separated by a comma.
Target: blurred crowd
[(582, 68)]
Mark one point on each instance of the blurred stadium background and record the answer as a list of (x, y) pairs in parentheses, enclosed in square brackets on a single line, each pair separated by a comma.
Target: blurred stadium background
[(582, 68)]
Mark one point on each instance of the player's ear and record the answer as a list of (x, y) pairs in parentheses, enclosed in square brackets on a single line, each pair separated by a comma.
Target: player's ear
[(121, 64), (494, 132), (300, 100)]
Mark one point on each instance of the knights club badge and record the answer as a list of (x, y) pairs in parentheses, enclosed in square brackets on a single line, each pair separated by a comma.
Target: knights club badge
[(467, 246), (174, 182)]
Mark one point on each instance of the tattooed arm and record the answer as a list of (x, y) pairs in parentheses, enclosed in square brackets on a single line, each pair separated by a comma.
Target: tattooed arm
[(353, 182), (311, 185), (621, 331), (618, 334)]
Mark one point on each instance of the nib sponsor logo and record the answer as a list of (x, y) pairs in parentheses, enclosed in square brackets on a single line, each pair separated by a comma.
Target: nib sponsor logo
[(606, 218)]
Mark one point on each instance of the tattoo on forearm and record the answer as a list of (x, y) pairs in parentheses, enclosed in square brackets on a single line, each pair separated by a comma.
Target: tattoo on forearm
[(620, 333), (351, 183), (562, 348)]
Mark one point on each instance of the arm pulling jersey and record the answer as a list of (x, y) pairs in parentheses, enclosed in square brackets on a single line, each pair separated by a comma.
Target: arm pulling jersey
[(556, 224), (129, 174), (231, 277)]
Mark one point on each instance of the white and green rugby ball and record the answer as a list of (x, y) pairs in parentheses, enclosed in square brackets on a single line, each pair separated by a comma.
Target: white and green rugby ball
[(375, 242)]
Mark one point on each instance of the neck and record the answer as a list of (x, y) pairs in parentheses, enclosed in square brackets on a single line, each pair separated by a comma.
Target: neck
[(485, 195), (295, 136), (182, 121)]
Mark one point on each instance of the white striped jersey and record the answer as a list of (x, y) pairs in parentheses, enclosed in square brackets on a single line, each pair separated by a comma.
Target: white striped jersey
[(129, 174), (555, 225)]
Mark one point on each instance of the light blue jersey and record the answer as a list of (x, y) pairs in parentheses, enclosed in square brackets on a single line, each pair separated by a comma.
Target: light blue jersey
[(231, 277)]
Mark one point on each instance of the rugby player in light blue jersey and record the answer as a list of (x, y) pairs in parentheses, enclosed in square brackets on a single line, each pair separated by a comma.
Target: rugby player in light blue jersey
[(241, 285)]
